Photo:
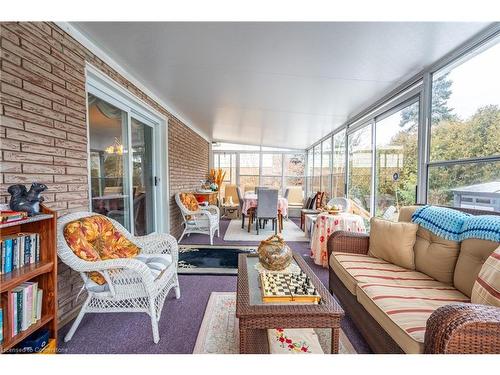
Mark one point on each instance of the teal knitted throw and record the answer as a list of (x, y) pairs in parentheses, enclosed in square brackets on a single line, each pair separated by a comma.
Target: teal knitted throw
[(457, 226)]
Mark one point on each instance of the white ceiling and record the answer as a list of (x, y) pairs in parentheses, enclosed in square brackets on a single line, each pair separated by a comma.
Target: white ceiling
[(275, 84)]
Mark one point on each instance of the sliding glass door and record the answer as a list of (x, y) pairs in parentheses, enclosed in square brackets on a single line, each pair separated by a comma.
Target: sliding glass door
[(122, 166), (143, 179), (108, 131)]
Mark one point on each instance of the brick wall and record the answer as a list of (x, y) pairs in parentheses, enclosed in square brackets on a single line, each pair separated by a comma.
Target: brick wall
[(43, 131)]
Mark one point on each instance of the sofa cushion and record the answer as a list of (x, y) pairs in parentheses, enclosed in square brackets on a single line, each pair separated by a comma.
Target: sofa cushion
[(406, 212), (95, 238), (434, 255), (486, 289), (352, 269), (473, 254), (393, 242), (403, 310)]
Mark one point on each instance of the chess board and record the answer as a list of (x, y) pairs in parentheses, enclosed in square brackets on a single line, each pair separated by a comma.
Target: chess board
[(288, 287)]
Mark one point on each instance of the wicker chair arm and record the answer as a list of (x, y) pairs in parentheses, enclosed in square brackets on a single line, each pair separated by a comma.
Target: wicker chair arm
[(213, 209), (159, 243), (110, 264), (463, 328), (209, 214), (348, 242)]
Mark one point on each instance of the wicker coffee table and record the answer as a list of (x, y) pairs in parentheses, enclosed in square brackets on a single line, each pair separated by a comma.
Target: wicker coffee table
[(255, 317)]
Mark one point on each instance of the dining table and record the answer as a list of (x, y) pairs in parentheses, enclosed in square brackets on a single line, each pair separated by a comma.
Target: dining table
[(325, 225), (250, 200)]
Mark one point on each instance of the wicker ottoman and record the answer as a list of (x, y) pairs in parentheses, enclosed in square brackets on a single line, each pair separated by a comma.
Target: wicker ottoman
[(256, 317)]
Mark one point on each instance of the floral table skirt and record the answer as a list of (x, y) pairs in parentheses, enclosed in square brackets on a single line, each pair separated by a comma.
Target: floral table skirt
[(326, 224)]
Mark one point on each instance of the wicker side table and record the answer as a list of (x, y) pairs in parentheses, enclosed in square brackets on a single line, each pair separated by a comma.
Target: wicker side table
[(255, 317)]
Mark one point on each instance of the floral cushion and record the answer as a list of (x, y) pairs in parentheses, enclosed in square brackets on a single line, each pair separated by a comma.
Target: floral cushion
[(95, 238), (189, 201)]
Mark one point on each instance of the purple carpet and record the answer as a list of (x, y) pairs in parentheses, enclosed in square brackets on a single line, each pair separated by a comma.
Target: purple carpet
[(124, 333)]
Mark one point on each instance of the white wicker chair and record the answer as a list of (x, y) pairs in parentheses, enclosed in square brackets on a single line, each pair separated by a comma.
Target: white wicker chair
[(131, 287), (204, 221)]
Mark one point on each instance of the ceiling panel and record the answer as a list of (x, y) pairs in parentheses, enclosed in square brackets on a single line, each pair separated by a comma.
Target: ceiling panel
[(279, 84)]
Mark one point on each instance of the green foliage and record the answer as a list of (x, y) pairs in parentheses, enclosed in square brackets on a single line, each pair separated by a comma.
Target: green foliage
[(451, 139), (479, 136)]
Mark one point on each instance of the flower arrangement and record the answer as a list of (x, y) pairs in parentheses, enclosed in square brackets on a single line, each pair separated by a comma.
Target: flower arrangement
[(216, 176), (286, 342)]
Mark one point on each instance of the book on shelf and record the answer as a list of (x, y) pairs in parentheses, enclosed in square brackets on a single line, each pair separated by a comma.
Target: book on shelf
[(19, 250), (8, 216), (1, 325), (26, 304)]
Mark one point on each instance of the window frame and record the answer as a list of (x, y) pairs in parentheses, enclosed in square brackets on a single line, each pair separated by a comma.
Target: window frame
[(417, 88), (262, 151), (104, 88)]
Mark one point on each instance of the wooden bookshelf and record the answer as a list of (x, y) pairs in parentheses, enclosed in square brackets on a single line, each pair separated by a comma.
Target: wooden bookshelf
[(44, 272)]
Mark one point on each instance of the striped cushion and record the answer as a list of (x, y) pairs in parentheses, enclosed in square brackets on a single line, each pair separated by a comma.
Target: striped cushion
[(358, 268), (409, 307), (486, 289)]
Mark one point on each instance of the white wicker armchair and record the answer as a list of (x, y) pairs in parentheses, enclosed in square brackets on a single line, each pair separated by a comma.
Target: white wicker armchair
[(204, 221), (131, 286)]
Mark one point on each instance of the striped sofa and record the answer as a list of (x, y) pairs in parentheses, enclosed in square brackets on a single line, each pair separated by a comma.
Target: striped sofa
[(425, 310)]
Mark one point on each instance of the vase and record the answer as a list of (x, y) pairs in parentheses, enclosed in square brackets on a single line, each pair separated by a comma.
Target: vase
[(274, 253)]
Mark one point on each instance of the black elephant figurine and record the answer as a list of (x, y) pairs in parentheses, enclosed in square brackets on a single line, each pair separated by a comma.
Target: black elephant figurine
[(24, 200)]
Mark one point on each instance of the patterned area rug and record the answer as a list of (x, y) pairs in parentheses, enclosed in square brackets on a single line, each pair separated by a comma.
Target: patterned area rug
[(219, 330), (291, 232), (211, 260)]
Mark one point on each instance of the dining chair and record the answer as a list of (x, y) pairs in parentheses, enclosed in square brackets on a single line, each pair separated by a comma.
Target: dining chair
[(295, 197), (267, 209), (231, 193), (241, 201), (257, 188), (314, 207)]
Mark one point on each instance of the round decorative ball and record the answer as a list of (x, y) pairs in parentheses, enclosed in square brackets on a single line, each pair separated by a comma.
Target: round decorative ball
[(274, 253)]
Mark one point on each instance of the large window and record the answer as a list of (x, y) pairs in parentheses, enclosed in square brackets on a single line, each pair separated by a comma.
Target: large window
[(360, 167), (277, 168), (465, 128), (294, 168), (316, 177), (396, 156), (272, 170), (226, 161), (309, 172), (338, 164), (447, 153), (326, 173), (249, 171)]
